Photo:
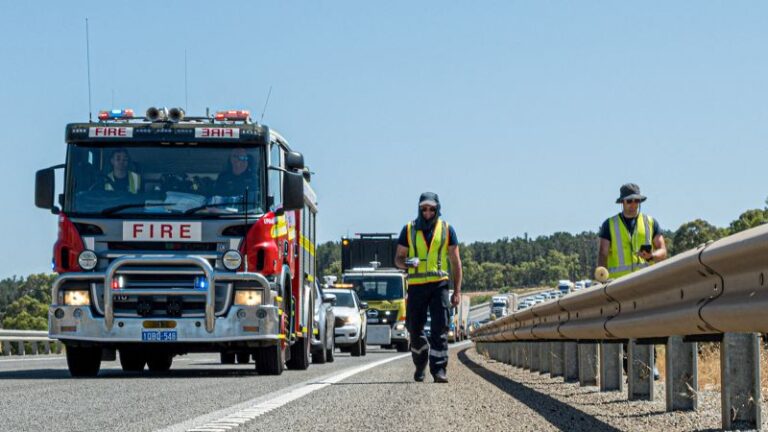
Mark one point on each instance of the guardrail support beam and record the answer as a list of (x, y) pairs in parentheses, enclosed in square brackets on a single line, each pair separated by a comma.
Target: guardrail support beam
[(545, 357), (571, 361), (21, 348), (640, 363), (682, 374), (535, 357), (611, 362), (528, 356), (558, 359), (740, 378), (588, 363), (7, 348)]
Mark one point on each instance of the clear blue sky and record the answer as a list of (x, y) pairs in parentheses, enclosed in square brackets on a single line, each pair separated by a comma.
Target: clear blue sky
[(523, 116)]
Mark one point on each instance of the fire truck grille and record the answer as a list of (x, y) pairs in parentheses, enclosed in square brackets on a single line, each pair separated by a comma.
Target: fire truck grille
[(162, 246)]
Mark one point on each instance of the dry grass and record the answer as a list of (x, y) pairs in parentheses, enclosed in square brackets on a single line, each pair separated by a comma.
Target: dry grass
[(709, 366)]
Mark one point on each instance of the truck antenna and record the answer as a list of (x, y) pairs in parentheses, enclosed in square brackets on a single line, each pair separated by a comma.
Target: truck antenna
[(88, 63), (263, 111)]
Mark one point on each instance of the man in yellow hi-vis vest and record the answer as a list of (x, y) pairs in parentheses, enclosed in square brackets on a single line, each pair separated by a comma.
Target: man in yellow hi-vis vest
[(428, 249), (630, 240), (120, 178)]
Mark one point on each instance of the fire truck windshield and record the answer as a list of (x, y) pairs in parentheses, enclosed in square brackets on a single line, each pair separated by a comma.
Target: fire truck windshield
[(371, 288), (158, 179)]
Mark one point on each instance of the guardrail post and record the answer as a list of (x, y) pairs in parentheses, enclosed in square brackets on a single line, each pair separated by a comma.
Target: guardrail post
[(21, 348), (588, 363), (46, 347), (6, 348), (682, 380), (571, 361), (528, 356), (740, 378), (535, 357), (611, 362), (640, 362), (34, 346), (558, 359), (545, 357), (516, 354)]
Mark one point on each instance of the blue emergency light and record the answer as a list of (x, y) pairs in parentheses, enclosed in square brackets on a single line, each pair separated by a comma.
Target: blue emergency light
[(116, 114), (201, 283)]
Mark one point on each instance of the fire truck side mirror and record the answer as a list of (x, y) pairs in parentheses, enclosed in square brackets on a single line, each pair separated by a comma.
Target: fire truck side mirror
[(294, 161), (45, 185), (293, 191)]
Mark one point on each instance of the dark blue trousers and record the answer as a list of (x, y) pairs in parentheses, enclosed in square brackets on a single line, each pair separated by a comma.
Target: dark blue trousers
[(432, 298)]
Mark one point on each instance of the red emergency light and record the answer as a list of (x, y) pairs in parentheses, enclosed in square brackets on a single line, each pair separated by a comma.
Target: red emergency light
[(116, 114), (233, 115)]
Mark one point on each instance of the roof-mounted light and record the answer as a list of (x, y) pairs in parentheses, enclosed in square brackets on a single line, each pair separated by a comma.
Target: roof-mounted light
[(116, 114), (233, 115), (157, 114)]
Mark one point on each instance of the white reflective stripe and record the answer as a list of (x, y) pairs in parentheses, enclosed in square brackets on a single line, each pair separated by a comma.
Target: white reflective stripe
[(438, 354), (647, 230), (420, 350), (619, 242)]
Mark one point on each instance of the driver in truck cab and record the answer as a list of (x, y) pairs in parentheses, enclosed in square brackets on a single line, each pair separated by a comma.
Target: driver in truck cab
[(237, 175), (121, 179)]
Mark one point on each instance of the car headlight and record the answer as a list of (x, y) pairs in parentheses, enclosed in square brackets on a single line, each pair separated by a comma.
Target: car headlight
[(77, 298), (87, 260), (352, 319), (248, 297), (232, 260), (400, 326)]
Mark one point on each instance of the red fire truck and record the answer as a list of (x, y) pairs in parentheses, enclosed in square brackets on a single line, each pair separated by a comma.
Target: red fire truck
[(181, 234)]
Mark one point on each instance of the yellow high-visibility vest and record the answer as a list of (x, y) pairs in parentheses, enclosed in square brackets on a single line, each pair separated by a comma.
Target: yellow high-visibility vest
[(134, 182), (433, 260), (622, 256)]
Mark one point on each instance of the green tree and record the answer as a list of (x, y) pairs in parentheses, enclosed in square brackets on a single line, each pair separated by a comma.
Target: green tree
[(693, 233), (26, 313), (749, 219)]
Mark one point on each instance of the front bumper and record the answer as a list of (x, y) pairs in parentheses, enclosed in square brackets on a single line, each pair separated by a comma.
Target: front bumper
[(259, 323), (347, 335)]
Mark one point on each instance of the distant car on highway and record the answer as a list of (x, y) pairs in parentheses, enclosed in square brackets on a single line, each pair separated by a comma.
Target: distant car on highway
[(323, 340), (350, 321)]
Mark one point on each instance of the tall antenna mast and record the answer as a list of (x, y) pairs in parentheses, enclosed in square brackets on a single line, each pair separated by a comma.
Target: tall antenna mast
[(265, 105), (88, 60), (186, 94)]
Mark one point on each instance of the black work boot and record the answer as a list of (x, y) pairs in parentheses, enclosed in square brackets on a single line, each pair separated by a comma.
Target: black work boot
[(418, 376), (440, 376)]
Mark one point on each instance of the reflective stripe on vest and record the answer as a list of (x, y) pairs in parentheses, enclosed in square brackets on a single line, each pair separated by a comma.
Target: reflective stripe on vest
[(432, 259), (622, 256), (134, 182)]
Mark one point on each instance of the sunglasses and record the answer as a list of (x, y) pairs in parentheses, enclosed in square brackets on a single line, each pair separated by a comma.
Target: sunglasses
[(632, 201), (240, 158), (430, 209)]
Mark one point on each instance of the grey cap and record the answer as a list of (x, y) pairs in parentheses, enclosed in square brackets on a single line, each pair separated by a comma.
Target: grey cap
[(630, 191)]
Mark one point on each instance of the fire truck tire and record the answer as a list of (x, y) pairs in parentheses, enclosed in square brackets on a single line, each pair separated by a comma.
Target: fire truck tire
[(299, 355), (83, 362), (132, 360), (269, 360), (160, 362), (401, 346), (329, 351), (227, 358), (243, 358)]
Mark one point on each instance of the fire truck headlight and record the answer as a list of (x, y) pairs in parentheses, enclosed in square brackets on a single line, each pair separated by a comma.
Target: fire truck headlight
[(232, 260), (77, 298), (87, 260), (248, 297)]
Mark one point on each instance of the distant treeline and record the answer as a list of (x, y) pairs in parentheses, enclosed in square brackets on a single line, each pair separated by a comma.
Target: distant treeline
[(499, 265), (527, 262)]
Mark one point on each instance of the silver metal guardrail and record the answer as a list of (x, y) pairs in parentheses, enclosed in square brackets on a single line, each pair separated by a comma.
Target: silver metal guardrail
[(37, 342), (715, 292)]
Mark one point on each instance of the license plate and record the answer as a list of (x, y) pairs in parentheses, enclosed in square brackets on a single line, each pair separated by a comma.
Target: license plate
[(373, 320), (158, 336)]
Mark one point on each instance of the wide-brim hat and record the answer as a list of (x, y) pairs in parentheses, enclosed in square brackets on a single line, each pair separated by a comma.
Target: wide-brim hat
[(630, 191)]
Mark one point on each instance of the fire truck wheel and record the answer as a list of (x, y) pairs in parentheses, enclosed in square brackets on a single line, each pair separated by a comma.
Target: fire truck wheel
[(269, 360), (83, 362), (132, 360), (329, 351), (299, 354), (227, 358), (243, 358), (160, 362), (402, 346)]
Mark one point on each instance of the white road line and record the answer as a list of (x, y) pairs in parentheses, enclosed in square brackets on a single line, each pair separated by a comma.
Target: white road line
[(28, 358), (229, 418)]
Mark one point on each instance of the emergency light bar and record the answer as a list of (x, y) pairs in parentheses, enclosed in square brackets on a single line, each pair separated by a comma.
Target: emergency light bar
[(233, 115), (116, 114)]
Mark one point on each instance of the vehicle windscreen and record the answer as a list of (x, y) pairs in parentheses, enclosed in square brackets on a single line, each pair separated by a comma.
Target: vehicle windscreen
[(164, 179), (499, 304), (376, 287), (343, 298)]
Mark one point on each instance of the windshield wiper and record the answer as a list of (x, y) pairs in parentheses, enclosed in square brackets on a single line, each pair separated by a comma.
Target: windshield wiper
[(117, 208), (207, 206)]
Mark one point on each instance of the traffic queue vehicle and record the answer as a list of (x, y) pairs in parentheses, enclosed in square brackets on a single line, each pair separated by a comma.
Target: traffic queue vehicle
[(368, 267), (181, 234)]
